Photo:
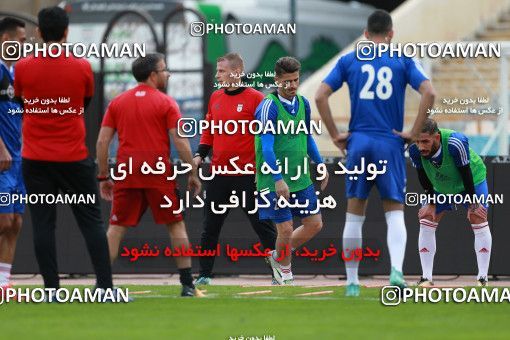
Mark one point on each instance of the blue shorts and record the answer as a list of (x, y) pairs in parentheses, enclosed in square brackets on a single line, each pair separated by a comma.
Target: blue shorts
[(374, 148), (480, 190), (280, 215), (11, 182)]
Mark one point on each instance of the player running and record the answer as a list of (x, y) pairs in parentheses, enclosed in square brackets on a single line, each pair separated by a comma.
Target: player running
[(285, 106), (377, 92), (447, 165)]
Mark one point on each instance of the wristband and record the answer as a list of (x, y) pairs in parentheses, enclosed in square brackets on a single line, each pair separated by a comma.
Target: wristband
[(102, 178)]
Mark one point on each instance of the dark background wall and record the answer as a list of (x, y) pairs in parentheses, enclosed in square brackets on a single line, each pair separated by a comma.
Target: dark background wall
[(454, 255)]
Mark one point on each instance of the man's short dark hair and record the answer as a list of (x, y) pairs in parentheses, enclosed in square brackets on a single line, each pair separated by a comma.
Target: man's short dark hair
[(144, 66), (286, 65), (53, 21), (10, 24), (379, 22), (430, 126)]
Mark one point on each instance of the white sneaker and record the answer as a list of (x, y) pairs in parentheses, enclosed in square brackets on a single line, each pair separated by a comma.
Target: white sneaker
[(288, 278), (275, 266)]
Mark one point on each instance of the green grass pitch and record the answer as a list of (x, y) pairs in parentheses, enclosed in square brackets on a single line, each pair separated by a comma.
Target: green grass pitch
[(223, 314)]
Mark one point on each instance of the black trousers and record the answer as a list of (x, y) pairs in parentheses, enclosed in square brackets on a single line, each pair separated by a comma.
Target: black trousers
[(218, 191), (69, 178)]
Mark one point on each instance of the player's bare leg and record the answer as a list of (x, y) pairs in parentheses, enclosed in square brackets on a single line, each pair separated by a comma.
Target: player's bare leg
[(305, 232), (283, 240), (483, 241), (10, 226), (114, 235), (179, 239), (396, 239), (427, 244), (280, 260), (352, 239)]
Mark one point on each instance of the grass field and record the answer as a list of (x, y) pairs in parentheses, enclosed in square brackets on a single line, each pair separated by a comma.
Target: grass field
[(162, 314)]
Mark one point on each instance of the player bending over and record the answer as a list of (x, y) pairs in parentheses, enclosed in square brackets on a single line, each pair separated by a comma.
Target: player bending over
[(447, 165)]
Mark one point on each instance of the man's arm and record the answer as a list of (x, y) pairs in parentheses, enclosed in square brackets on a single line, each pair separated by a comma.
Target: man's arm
[(89, 84), (5, 157), (330, 84), (458, 147), (265, 113), (102, 145), (420, 82), (312, 150), (428, 95), (267, 141), (467, 179), (18, 84), (203, 151), (425, 182), (205, 146), (184, 150), (322, 101), (206, 140), (427, 211)]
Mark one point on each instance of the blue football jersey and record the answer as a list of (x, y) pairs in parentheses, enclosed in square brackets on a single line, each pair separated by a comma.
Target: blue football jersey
[(10, 122), (377, 89)]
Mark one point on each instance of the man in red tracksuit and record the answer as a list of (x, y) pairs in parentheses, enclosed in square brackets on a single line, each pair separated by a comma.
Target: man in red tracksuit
[(233, 103)]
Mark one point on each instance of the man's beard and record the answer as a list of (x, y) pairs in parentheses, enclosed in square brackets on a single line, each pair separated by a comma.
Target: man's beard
[(432, 152), (162, 87)]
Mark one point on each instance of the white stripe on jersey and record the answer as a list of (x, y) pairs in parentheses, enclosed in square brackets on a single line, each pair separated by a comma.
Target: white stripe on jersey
[(462, 150), (265, 110)]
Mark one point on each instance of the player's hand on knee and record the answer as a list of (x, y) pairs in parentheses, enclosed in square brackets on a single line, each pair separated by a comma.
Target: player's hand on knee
[(427, 212), (282, 189), (477, 211), (5, 158), (106, 190)]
